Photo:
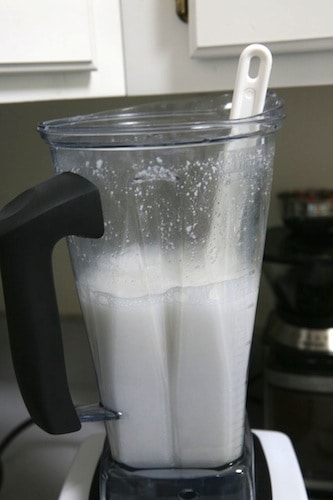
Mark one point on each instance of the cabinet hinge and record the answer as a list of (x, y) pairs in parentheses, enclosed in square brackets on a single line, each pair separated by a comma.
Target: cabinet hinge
[(182, 10)]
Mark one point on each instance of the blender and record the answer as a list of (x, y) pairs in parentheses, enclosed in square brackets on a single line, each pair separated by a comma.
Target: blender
[(164, 206)]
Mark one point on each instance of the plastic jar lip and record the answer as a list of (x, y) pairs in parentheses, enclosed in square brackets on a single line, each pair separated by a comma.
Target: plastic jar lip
[(198, 120)]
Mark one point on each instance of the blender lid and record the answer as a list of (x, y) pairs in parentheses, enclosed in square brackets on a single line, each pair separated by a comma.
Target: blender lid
[(170, 122)]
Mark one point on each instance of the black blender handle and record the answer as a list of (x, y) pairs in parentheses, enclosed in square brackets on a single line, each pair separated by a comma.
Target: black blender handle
[(30, 226)]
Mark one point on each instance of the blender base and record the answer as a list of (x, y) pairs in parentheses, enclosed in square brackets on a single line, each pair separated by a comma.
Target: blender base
[(232, 482), (277, 472)]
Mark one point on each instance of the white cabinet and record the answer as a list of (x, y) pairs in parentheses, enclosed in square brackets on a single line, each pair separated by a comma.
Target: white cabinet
[(60, 50), (99, 48), (219, 28), (164, 55), (37, 36)]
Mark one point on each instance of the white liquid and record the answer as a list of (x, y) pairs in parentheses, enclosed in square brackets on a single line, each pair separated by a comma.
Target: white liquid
[(174, 362)]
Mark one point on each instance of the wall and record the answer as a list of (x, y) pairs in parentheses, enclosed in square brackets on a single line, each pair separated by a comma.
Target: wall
[(304, 158)]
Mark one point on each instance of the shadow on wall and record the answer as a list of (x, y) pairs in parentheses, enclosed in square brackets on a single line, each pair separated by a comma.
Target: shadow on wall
[(304, 158)]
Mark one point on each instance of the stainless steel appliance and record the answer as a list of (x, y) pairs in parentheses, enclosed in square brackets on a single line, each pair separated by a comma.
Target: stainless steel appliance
[(165, 208)]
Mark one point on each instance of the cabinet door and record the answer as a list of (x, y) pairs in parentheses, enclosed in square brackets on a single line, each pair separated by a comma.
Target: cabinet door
[(39, 35), (221, 28), (60, 49)]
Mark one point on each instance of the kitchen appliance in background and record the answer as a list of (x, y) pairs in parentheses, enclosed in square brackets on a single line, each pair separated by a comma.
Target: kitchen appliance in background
[(298, 262), (165, 206)]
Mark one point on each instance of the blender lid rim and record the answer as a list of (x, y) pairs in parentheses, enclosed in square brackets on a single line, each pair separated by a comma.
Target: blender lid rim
[(166, 119)]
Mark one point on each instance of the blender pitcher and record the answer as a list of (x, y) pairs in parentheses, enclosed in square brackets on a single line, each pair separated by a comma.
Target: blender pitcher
[(165, 208)]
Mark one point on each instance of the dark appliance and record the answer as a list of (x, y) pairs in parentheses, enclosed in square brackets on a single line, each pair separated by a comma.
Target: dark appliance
[(298, 262)]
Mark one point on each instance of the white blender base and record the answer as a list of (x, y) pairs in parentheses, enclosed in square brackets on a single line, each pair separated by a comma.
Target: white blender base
[(285, 474)]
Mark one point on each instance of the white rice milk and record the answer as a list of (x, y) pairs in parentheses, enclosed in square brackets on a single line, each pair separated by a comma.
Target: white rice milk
[(173, 359)]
